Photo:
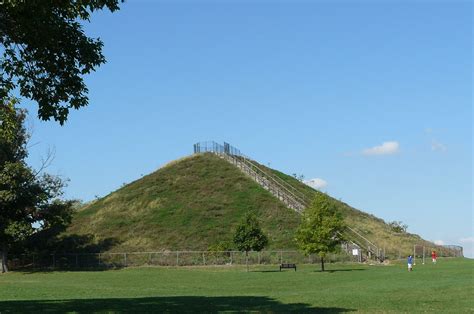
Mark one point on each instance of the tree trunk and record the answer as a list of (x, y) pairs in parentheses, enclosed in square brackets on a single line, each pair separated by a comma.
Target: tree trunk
[(247, 260), (322, 263), (4, 256)]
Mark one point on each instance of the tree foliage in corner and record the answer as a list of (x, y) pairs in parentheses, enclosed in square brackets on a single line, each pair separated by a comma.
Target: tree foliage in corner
[(26, 197), (321, 228), (249, 236), (45, 52)]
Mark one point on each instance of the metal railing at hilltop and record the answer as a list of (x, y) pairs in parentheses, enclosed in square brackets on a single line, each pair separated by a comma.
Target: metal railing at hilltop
[(214, 147)]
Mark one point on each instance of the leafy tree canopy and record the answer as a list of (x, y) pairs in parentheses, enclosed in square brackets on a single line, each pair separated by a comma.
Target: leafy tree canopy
[(249, 236), (45, 52), (26, 197), (321, 229)]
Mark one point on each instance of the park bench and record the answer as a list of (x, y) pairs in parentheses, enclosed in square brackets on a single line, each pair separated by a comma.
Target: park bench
[(283, 266)]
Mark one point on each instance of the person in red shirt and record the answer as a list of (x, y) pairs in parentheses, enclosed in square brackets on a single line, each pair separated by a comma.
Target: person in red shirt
[(433, 257)]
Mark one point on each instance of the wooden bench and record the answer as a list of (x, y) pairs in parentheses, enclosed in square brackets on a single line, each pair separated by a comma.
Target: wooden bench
[(283, 266)]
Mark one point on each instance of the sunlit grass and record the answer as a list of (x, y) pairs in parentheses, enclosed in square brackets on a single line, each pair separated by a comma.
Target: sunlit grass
[(445, 287)]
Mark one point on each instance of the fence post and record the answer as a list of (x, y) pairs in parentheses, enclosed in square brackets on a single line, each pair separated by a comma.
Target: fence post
[(203, 259), (231, 257), (281, 257), (125, 259), (414, 254), (177, 258)]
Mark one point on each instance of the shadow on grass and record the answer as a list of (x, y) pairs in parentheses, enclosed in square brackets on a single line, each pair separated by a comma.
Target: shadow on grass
[(181, 304), (62, 270), (316, 271), (338, 270), (70, 252)]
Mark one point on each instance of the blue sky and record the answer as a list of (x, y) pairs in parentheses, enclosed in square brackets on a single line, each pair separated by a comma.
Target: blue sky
[(314, 88)]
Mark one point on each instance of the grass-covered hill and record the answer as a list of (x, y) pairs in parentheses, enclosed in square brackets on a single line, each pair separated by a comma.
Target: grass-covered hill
[(196, 202), (189, 204)]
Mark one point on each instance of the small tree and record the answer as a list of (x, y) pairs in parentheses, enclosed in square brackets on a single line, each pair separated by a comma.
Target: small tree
[(249, 237), (398, 226), (321, 228)]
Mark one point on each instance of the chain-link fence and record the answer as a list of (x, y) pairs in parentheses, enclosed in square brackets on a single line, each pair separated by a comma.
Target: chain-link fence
[(452, 250), (170, 258), (422, 252)]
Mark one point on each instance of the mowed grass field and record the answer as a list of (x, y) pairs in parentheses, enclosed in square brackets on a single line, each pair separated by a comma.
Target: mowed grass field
[(447, 287)]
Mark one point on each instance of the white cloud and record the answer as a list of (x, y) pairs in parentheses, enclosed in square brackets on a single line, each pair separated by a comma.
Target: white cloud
[(387, 148), (437, 146), (316, 183), (439, 242), (467, 240)]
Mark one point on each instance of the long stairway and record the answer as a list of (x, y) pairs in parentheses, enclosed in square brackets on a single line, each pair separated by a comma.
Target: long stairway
[(281, 189)]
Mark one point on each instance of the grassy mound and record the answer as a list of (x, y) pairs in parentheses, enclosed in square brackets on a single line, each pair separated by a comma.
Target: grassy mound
[(189, 204), (196, 202)]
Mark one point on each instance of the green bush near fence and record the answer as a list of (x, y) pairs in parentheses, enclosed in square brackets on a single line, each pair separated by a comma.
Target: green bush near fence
[(441, 288)]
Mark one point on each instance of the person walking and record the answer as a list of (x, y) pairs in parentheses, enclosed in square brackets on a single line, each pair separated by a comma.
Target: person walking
[(410, 263), (433, 257)]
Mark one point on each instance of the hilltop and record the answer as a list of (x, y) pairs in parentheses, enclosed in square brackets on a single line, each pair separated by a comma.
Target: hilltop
[(196, 202)]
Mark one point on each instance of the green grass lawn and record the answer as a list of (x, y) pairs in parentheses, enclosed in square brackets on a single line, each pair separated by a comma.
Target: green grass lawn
[(445, 287)]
